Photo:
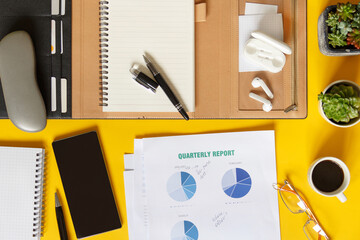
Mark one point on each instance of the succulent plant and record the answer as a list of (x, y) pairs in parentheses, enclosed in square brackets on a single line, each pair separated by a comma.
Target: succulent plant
[(346, 10), (345, 28), (354, 38), (341, 103), (344, 25), (337, 39), (333, 21), (356, 21)]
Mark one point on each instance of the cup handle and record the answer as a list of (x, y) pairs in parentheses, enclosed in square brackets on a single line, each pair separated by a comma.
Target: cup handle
[(341, 197)]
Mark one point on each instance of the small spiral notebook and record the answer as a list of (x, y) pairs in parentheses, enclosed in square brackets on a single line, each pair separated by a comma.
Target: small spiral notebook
[(21, 191)]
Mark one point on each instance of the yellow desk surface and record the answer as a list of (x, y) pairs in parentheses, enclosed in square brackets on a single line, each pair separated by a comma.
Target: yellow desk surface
[(298, 143)]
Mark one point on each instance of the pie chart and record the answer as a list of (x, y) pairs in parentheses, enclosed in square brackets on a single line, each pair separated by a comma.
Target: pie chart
[(236, 183), (181, 186), (184, 230)]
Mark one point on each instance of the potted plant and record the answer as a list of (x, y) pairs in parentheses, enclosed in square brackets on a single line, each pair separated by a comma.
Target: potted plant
[(339, 103), (339, 30)]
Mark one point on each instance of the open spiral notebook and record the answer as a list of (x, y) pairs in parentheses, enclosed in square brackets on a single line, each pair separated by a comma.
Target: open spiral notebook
[(162, 29), (21, 191)]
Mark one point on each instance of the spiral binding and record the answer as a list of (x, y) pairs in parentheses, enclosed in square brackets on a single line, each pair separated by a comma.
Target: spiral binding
[(38, 195), (104, 57)]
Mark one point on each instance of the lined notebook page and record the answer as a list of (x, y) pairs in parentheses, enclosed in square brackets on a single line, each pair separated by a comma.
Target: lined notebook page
[(17, 193), (164, 30)]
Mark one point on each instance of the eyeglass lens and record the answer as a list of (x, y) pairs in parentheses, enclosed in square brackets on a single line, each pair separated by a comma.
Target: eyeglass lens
[(313, 231), (291, 200)]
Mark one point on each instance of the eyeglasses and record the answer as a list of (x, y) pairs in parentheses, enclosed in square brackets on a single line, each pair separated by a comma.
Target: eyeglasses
[(296, 204)]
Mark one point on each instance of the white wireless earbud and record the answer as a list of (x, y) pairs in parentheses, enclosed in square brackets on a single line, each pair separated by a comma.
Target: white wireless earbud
[(266, 103), (258, 82)]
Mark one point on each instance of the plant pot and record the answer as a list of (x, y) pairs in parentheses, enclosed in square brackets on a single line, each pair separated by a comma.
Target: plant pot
[(322, 113), (323, 31)]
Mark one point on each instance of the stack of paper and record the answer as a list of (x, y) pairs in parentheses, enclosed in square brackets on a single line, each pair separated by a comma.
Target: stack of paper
[(258, 17), (210, 186)]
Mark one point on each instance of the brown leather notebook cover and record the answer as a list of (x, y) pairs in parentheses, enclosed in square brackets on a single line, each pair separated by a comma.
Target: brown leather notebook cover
[(221, 91)]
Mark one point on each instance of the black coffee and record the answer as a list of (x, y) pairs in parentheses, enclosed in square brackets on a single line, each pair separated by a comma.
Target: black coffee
[(327, 176)]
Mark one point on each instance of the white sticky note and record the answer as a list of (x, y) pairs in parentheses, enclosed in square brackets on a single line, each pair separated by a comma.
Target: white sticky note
[(53, 94), (53, 37), (63, 95), (55, 7), (256, 8), (270, 24)]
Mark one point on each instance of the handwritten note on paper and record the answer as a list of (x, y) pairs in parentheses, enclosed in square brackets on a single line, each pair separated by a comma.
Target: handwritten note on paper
[(219, 218), (201, 169)]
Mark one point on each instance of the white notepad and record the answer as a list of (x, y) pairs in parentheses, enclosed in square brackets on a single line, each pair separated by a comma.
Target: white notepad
[(162, 29), (21, 187)]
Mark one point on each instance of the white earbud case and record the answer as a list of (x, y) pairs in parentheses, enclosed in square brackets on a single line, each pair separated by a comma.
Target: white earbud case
[(266, 51)]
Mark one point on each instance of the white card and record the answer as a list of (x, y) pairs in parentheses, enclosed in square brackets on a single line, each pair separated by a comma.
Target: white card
[(270, 24), (256, 8)]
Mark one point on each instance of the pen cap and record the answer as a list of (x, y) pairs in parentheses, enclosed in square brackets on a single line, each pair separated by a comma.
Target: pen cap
[(144, 80)]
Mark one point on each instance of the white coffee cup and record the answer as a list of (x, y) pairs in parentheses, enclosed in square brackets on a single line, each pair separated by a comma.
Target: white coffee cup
[(339, 191)]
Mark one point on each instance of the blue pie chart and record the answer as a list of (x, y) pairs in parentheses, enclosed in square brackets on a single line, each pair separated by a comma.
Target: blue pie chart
[(181, 186), (184, 230), (236, 183)]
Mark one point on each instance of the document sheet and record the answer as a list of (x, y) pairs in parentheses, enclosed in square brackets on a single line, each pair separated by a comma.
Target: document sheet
[(210, 186)]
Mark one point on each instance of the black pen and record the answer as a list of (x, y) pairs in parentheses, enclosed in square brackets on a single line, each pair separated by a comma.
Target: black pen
[(160, 80), (60, 219)]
